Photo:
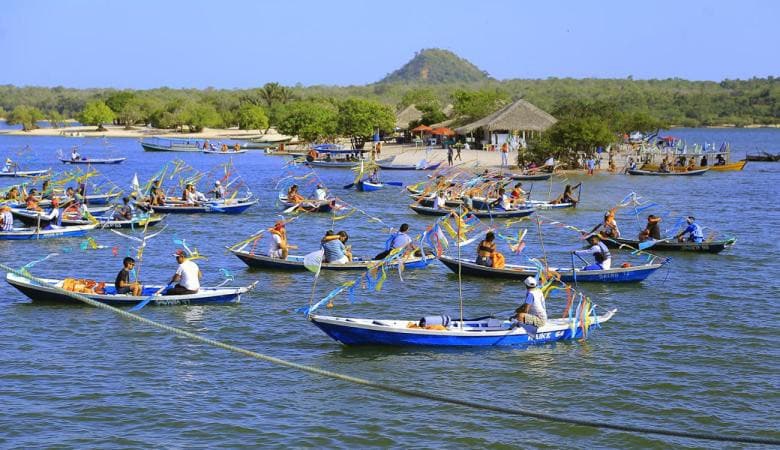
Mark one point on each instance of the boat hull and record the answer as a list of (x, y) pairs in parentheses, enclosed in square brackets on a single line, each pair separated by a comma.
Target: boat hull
[(24, 173), (367, 186), (48, 293), (476, 333), (334, 164), (530, 177), (704, 247), (31, 234), (295, 263), (495, 214), (734, 166), (632, 274), (210, 208), (690, 173), (94, 161)]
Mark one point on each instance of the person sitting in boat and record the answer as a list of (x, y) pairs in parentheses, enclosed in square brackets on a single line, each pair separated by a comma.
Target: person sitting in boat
[(13, 194), (664, 167), (486, 249), (533, 311), (609, 227), (124, 212), (720, 160), (199, 197), (630, 163), (237, 147), (398, 240), (157, 197), (518, 194), (335, 250), (691, 165), (206, 145), (6, 218), (122, 282), (219, 191), (652, 229), (74, 154), (344, 237), (223, 148), (682, 161), (135, 204), (320, 193), (293, 196), (279, 247), (9, 166), (312, 155), (567, 196), (374, 177), (31, 202), (703, 162), (53, 216), (504, 201), (188, 195), (693, 230), (600, 253), (440, 201), (187, 276)]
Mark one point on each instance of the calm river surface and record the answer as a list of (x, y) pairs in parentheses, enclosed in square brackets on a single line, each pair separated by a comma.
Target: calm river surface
[(695, 347)]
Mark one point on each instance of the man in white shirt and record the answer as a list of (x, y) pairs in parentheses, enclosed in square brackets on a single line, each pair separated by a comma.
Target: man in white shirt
[(533, 311), (74, 155), (187, 276), (320, 193)]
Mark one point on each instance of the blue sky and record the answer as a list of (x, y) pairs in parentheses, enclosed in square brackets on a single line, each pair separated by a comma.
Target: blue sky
[(238, 44)]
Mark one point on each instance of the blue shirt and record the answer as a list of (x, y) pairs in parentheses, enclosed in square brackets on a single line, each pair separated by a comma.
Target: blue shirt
[(401, 240), (334, 250), (697, 235)]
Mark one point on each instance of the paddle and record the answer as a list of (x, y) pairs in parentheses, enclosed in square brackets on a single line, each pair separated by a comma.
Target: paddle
[(349, 186), (647, 244), (291, 208), (393, 183), (145, 301)]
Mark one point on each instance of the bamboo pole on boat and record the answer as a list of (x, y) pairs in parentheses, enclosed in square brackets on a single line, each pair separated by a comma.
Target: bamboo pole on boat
[(460, 280)]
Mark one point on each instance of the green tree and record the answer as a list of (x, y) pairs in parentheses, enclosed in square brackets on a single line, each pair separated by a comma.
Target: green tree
[(474, 105), (130, 113), (55, 118), (97, 113), (198, 116), (117, 102), (359, 119), (311, 121), (27, 116), (252, 117), (421, 98)]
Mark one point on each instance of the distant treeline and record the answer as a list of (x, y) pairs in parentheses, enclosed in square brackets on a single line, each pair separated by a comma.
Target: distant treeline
[(671, 102)]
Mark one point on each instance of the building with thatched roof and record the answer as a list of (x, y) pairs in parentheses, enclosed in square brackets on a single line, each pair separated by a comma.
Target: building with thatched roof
[(520, 116), (408, 114)]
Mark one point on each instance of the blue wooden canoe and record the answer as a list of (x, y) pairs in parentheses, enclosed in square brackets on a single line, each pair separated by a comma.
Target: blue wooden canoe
[(210, 207), (493, 214), (32, 233), (483, 332), (633, 274), (93, 160), (295, 263), (367, 186), (51, 291)]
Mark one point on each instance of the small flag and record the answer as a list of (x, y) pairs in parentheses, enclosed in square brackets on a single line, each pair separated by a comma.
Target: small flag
[(313, 261)]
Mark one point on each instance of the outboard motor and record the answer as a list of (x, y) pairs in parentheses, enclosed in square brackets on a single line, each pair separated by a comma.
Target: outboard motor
[(427, 321)]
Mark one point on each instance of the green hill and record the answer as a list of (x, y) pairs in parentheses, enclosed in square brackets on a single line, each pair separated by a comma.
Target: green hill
[(437, 66)]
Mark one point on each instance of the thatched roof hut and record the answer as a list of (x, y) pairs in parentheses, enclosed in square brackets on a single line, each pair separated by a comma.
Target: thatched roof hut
[(408, 114), (518, 116)]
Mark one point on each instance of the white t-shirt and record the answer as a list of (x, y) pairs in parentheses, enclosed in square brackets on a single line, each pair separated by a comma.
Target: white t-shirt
[(506, 202), (188, 271), (535, 298), (321, 194), (441, 202), (275, 248)]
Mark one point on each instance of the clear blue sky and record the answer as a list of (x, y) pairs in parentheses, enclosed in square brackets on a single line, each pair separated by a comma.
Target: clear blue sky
[(238, 44)]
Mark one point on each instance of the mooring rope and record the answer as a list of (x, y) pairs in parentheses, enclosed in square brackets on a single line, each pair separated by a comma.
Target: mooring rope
[(399, 390)]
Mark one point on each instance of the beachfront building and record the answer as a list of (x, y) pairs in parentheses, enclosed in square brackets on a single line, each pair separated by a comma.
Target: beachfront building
[(512, 123)]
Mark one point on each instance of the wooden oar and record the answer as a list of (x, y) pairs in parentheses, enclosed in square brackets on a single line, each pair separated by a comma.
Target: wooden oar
[(145, 301), (349, 186)]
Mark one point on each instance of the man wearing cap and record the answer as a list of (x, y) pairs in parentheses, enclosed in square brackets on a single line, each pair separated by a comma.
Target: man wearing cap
[(600, 253), (533, 310), (6, 218), (693, 230), (187, 276), (279, 248)]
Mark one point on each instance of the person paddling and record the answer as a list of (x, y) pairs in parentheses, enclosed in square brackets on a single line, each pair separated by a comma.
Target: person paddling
[(693, 230), (600, 253)]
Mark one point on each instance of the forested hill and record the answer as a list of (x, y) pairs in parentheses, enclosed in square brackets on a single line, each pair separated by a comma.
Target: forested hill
[(436, 66)]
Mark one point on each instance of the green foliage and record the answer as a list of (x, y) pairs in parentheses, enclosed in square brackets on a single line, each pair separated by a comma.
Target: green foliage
[(96, 113), (421, 98), (198, 116), (252, 117), (27, 116), (473, 105), (312, 121), (117, 100), (55, 119), (436, 66), (361, 118), (130, 112)]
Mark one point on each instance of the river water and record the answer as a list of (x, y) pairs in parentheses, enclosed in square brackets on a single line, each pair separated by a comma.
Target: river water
[(694, 347)]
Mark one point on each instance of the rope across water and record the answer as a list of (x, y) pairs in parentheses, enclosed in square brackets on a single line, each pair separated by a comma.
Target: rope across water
[(408, 392)]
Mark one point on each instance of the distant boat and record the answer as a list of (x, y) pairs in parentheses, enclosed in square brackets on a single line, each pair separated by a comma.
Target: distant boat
[(763, 157), (172, 145), (688, 173), (225, 153), (33, 233), (93, 160), (387, 164), (23, 173)]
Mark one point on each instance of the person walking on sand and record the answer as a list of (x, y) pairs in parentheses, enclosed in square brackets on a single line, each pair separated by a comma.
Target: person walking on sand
[(457, 152), (449, 155)]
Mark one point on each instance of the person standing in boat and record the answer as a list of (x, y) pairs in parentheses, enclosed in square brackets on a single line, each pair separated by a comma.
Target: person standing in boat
[(533, 311), (652, 229), (219, 191), (122, 282), (600, 253), (703, 162), (609, 227), (187, 276), (6, 218), (486, 249), (693, 230)]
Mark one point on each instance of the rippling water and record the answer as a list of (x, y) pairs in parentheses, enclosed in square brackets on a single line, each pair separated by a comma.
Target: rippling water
[(692, 348)]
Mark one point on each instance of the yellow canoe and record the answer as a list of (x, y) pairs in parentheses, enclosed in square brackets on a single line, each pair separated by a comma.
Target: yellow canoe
[(739, 165)]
